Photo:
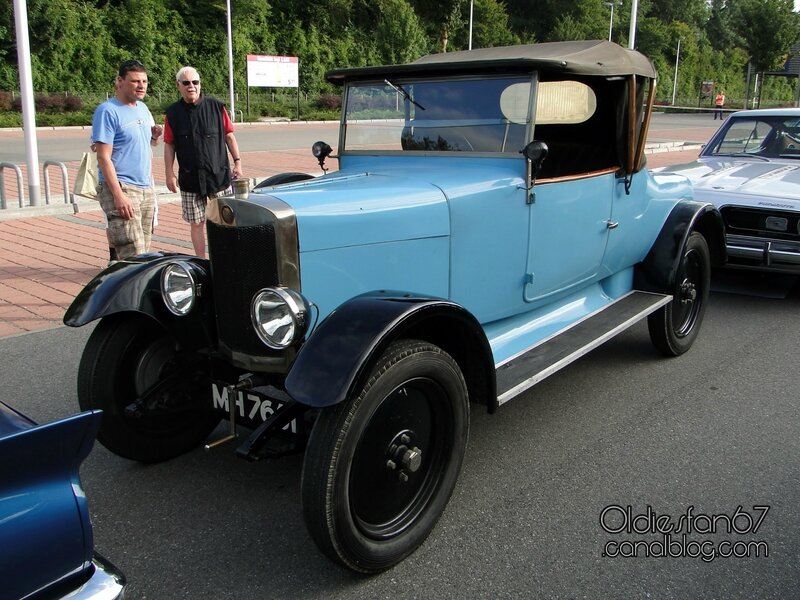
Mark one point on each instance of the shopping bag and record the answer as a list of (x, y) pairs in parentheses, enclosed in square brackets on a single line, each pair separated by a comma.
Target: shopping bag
[(86, 180)]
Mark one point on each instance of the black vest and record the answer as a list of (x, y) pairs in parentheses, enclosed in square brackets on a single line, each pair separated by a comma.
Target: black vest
[(199, 138)]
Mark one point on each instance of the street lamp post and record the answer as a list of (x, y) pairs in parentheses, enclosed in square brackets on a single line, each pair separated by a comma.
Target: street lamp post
[(632, 32), (675, 80), (26, 92), (230, 58), (611, 5), (471, 2)]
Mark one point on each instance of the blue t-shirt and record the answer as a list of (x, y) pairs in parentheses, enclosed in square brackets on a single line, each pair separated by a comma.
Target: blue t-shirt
[(128, 130)]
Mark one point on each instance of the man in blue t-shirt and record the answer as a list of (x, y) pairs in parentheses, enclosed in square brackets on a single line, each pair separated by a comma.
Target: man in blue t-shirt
[(123, 130)]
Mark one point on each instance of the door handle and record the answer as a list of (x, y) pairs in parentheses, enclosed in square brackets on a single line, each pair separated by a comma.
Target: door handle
[(612, 224)]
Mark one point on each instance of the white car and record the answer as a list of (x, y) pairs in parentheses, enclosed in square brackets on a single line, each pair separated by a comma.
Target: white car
[(750, 170)]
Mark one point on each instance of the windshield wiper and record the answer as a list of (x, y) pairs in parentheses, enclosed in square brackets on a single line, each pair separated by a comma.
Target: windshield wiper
[(405, 94)]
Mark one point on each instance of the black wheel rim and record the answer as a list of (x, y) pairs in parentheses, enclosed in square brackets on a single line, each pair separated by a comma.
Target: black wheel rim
[(388, 494), (149, 403), (689, 294)]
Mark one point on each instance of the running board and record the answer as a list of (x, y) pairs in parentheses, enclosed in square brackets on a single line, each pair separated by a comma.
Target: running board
[(552, 354)]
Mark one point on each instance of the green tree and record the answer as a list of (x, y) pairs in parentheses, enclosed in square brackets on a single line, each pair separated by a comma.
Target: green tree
[(69, 45), (490, 26), (767, 29), (718, 27), (149, 31), (442, 19), (399, 36), (693, 12)]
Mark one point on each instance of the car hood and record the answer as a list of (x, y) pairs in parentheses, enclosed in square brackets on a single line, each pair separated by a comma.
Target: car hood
[(754, 183), (363, 208)]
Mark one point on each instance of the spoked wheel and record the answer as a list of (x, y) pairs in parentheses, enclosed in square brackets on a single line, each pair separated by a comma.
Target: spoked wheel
[(380, 467), (155, 398), (674, 328)]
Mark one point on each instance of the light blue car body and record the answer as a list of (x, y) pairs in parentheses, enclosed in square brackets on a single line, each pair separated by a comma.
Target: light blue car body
[(459, 227)]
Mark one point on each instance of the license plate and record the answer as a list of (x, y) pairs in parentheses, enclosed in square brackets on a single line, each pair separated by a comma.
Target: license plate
[(249, 405)]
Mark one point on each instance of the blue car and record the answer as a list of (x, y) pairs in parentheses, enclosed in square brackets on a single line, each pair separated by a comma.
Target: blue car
[(46, 544), (490, 222)]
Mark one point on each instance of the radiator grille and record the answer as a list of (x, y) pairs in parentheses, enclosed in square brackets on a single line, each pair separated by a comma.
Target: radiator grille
[(243, 260), (773, 224)]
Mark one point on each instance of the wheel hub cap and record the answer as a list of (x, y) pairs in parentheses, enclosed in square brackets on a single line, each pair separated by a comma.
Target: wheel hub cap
[(688, 292), (402, 456)]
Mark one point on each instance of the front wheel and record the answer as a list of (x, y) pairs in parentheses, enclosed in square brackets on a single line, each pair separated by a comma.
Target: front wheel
[(380, 467), (155, 397), (674, 328)]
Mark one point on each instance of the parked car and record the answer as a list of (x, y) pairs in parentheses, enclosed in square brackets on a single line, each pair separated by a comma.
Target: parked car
[(46, 544), (491, 221), (750, 170)]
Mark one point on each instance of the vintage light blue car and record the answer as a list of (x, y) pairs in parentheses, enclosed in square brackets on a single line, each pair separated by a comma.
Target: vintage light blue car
[(46, 544), (491, 221)]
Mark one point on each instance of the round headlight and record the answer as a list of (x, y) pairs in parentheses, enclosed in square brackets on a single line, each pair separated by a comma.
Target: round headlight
[(280, 316), (178, 288)]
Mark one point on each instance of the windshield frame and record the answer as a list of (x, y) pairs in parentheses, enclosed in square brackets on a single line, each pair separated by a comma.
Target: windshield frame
[(406, 84)]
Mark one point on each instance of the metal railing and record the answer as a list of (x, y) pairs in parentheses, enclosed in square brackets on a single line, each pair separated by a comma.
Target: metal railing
[(69, 197), (18, 172)]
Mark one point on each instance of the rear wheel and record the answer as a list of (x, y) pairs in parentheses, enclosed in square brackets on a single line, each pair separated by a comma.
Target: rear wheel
[(674, 328), (381, 466), (155, 397)]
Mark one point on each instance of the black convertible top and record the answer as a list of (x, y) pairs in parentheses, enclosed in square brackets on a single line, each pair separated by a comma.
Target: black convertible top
[(585, 57)]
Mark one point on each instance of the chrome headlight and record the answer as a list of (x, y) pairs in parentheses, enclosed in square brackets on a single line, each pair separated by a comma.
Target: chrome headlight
[(280, 316), (178, 288)]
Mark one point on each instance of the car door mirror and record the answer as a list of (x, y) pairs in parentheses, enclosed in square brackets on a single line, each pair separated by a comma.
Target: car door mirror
[(535, 153)]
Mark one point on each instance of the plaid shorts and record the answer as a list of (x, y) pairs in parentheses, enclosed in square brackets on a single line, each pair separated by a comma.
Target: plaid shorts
[(129, 236), (193, 205)]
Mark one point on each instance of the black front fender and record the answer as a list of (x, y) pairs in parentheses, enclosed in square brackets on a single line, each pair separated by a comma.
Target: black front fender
[(134, 285), (658, 270), (341, 351)]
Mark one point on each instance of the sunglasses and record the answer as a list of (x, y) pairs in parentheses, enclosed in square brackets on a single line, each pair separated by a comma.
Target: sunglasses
[(193, 82)]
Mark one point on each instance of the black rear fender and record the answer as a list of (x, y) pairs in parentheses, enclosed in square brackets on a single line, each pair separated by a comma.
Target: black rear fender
[(657, 272)]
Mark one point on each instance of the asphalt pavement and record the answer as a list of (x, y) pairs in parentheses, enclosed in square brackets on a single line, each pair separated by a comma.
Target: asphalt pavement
[(49, 253)]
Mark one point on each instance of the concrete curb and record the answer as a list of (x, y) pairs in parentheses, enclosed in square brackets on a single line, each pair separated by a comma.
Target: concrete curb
[(83, 204), (657, 147)]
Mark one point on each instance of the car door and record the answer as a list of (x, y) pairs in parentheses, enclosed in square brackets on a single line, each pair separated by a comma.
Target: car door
[(568, 233)]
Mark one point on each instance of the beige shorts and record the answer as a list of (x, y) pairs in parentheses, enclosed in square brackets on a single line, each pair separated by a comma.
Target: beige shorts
[(129, 236)]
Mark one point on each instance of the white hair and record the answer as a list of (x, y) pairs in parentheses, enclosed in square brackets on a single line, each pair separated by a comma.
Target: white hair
[(180, 74)]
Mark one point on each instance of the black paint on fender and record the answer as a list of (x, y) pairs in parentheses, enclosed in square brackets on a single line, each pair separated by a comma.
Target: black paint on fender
[(656, 273), (134, 285), (340, 352)]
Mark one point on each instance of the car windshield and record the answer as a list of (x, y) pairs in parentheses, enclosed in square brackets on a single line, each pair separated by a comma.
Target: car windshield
[(458, 115), (760, 136)]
